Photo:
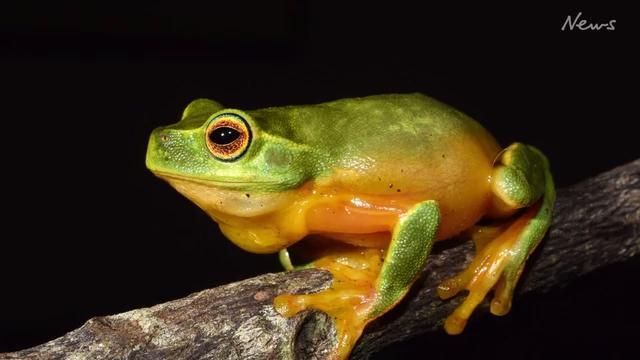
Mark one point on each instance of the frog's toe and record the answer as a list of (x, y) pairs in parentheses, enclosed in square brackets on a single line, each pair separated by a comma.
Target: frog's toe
[(477, 280), (478, 289), (452, 286), (503, 294), (288, 305), (454, 324), (500, 305)]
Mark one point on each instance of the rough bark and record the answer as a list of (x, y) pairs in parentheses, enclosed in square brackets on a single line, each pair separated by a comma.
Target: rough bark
[(596, 223)]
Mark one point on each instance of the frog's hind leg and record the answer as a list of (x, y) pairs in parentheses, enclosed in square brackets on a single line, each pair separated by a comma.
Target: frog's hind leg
[(522, 179)]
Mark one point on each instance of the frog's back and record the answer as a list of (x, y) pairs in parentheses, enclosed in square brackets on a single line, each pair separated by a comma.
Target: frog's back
[(385, 136)]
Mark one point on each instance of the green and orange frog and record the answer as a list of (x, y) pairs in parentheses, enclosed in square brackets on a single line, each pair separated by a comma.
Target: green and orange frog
[(368, 184)]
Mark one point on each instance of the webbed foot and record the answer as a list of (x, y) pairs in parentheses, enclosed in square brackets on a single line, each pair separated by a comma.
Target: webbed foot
[(349, 299), (496, 266)]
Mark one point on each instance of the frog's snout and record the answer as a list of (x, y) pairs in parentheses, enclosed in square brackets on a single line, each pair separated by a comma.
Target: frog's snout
[(160, 143)]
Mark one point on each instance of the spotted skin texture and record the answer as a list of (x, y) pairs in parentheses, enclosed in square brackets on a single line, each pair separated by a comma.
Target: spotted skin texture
[(362, 188)]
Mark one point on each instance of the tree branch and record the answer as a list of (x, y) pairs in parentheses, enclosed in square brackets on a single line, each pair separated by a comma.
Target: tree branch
[(596, 223)]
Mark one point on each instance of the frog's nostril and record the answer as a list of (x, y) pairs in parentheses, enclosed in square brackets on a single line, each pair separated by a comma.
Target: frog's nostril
[(164, 136)]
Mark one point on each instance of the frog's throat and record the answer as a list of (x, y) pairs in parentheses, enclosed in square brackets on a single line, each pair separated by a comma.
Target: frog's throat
[(217, 198)]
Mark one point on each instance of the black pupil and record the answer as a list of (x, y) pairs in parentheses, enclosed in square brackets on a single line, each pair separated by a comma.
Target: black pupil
[(224, 135)]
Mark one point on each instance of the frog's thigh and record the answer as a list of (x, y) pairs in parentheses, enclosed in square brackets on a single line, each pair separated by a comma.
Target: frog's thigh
[(518, 178), (521, 177)]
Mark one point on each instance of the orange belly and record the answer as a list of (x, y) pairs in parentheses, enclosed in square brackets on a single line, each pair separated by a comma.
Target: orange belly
[(367, 220)]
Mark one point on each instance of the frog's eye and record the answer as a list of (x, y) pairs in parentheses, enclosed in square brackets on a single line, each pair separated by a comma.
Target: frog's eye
[(228, 136)]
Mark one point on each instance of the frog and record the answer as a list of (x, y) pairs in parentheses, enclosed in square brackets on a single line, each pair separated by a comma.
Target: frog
[(363, 188)]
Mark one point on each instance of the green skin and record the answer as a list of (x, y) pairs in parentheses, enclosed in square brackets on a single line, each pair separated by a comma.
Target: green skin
[(293, 145)]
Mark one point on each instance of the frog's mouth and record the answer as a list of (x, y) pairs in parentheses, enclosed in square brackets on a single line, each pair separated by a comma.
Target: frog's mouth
[(220, 182), (225, 197)]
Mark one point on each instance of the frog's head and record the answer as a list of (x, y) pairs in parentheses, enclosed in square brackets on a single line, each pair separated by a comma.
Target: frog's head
[(225, 163)]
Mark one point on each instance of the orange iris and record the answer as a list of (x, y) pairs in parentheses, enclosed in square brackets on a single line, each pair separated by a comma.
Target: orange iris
[(228, 136)]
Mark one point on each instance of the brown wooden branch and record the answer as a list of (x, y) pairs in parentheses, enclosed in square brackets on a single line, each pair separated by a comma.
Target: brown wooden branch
[(596, 223)]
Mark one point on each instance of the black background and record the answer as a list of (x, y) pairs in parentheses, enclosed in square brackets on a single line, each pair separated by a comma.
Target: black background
[(88, 231)]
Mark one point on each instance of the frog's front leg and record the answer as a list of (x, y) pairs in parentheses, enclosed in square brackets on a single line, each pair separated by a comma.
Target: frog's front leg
[(367, 283), (521, 179)]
